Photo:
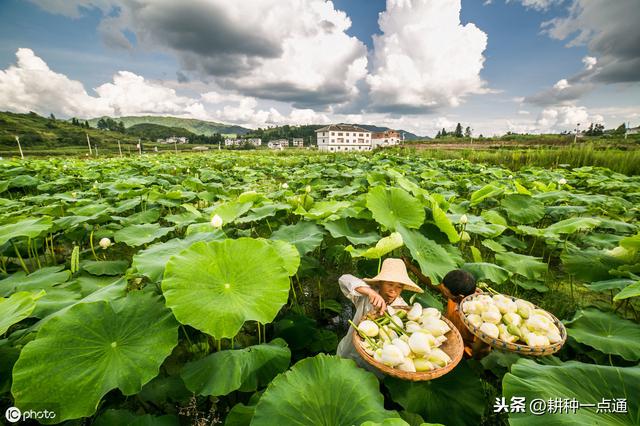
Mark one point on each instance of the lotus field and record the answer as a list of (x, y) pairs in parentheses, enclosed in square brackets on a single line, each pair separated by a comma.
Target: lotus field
[(202, 289)]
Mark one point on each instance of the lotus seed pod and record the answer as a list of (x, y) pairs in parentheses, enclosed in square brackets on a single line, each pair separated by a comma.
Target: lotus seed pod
[(105, 243)]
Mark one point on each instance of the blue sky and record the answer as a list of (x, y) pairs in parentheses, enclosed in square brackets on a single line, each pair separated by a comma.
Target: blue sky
[(518, 65)]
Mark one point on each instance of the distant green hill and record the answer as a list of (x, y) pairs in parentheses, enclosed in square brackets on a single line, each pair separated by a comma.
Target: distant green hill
[(198, 127), (156, 131)]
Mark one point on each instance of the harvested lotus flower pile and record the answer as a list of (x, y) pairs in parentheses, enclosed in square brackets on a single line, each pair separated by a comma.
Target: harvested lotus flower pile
[(518, 321), (406, 340)]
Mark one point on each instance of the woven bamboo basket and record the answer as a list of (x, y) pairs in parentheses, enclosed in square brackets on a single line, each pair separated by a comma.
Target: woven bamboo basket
[(518, 348), (453, 346)]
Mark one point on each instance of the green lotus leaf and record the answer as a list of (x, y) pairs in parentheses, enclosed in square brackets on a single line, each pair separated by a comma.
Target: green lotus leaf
[(323, 390), (123, 417), (92, 349), (440, 400), (30, 228), (631, 243), (384, 246), (264, 211), (444, 223), (56, 298), (306, 236), (527, 266), (217, 286), (434, 260), (522, 209), (90, 209), (240, 415), (589, 265), (230, 210), (632, 290), (492, 216), (16, 308), (145, 216), (151, 261), (44, 278), (357, 231), (529, 284), (387, 422), (137, 235), (289, 254), (488, 191), (587, 383), (105, 267), (513, 242), (487, 271), (606, 285), (392, 207), (606, 332), (494, 246), (487, 230), (570, 226), (252, 367), (323, 209)]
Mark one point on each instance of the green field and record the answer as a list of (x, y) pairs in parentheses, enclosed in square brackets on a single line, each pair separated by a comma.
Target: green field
[(118, 289)]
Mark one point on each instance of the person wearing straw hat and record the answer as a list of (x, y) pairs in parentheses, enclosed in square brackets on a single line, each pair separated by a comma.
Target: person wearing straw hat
[(374, 294)]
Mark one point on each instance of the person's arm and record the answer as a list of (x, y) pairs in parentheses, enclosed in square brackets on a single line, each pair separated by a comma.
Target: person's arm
[(353, 287)]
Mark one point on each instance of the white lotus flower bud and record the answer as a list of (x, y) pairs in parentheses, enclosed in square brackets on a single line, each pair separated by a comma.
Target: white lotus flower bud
[(524, 308), (533, 339), (407, 365), (510, 176), (307, 189), (412, 327), (419, 343), (505, 335), (74, 194), (216, 221), (377, 355), (421, 364), (415, 312), (104, 243), (397, 322), (368, 327), (475, 319), (464, 219), (430, 313), (553, 337), (384, 336), (543, 313), (391, 355), (562, 181), (464, 236), (538, 323), (392, 334), (514, 330), (285, 185), (435, 327), (490, 329), (404, 346), (492, 315), (506, 305), (617, 252), (484, 299), (472, 307), (438, 357), (440, 340), (391, 310), (512, 318)]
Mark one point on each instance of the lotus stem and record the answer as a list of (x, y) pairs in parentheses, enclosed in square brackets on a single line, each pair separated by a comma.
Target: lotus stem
[(259, 334), (24, 266), (184, 331), (91, 245)]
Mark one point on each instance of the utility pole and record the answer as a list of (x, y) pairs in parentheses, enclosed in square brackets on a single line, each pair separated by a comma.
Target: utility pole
[(175, 146), (19, 147), (119, 148), (89, 143), (575, 137), (139, 147), (626, 130)]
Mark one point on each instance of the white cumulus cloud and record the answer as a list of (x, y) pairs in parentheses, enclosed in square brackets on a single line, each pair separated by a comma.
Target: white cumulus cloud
[(425, 59)]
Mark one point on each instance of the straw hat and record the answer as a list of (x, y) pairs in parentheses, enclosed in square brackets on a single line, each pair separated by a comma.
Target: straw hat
[(394, 270)]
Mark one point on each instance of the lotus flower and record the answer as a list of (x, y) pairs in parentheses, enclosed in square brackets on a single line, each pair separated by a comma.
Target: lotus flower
[(538, 323), (407, 365), (402, 345), (430, 313), (533, 339), (391, 355), (285, 185), (562, 181), (105, 243), (307, 189), (504, 304), (475, 319), (369, 328), (412, 327), (419, 343), (464, 236), (397, 322), (505, 335), (216, 221), (524, 308), (492, 315), (464, 219), (512, 318), (438, 357), (415, 312), (490, 330), (421, 364)]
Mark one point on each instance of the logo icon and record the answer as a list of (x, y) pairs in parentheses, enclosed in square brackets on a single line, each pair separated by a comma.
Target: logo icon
[(13, 414)]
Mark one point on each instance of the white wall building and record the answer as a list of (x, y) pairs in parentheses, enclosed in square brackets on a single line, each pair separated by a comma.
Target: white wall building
[(278, 144), (386, 138), (297, 142), (173, 139), (343, 137)]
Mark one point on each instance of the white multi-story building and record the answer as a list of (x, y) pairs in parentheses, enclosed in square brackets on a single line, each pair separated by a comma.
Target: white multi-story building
[(231, 142), (386, 138), (173, 139), (343, 137), (278, 144), (297, 142)]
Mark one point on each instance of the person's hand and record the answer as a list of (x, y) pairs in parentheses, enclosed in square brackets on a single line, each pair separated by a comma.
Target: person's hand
[(377, 301)]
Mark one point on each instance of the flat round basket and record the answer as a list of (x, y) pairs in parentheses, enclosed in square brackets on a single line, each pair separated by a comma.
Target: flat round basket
[(453, 346), (514, 347)]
